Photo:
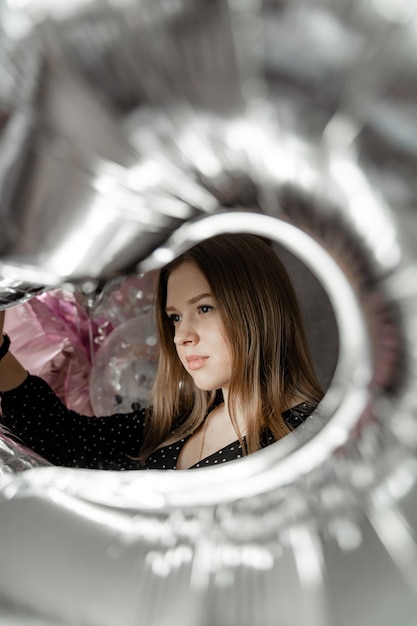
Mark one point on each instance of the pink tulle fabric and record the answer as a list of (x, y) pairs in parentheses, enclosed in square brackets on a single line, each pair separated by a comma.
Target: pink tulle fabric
[(53, 337), (56, 334)]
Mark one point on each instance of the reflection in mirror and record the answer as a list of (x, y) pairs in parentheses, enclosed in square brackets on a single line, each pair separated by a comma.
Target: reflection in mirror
[(103, 361)]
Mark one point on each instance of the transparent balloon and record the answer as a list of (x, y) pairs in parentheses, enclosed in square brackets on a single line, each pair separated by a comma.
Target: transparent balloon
[(124, 367)]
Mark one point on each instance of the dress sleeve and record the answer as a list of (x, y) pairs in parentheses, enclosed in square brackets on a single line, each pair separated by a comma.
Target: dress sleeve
[(37, 417)]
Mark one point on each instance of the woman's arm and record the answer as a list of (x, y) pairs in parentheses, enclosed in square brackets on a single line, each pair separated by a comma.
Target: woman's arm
[(12, 373), (37, 417)]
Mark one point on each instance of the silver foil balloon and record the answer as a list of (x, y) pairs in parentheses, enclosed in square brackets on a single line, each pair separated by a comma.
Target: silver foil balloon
[(14, 291), (15, 457), (69, 198), (71, 180), (313, 147)]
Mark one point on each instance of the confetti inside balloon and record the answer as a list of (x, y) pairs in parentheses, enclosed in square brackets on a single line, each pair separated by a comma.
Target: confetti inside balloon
[(124, 367)]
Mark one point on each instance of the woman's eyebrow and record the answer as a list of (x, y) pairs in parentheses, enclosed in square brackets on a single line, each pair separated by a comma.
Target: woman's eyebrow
[(197, 298), (192, 300)]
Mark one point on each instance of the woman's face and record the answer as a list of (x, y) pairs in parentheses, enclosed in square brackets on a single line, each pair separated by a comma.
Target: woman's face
[(200, 337)]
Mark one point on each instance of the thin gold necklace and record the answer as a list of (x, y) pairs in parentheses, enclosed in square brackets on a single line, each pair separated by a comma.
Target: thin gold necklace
[(204, 437)]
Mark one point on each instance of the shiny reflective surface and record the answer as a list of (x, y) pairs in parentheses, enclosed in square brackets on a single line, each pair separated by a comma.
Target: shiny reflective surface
[(15, 458), (293, 120)]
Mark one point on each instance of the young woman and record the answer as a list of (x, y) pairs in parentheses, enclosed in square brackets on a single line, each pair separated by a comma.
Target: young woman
[(234, 371)]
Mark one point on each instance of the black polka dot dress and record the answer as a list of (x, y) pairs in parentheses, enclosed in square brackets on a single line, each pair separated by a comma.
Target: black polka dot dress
[(38, 419)]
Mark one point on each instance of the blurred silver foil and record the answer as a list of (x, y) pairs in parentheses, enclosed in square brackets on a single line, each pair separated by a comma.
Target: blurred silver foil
[(70, 196), (15, 458), (71, 179), (294, 120)]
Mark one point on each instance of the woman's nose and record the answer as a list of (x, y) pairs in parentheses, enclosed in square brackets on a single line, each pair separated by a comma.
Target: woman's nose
[(185, 334)]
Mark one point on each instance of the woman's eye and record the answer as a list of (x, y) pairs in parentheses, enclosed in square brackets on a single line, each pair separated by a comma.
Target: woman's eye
[(174, 317), (205, 308)]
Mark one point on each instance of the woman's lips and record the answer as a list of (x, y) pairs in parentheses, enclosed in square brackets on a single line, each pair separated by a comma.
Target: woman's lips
[(195, 362)]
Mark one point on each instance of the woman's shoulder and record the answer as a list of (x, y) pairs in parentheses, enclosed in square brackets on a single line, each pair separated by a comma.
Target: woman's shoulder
[(296, 415)]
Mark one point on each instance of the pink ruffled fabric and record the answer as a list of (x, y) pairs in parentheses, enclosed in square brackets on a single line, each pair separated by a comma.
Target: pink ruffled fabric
[(53, 337), (56, 335)]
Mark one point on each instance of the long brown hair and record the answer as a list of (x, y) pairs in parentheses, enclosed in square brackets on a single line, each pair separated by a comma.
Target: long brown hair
[(271, 364)]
